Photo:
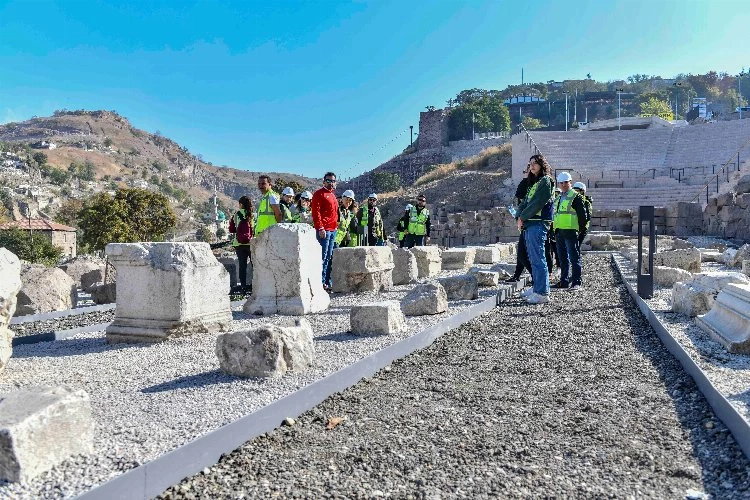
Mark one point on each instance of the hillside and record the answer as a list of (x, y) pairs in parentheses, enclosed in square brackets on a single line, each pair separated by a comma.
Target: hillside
[(119, 154)]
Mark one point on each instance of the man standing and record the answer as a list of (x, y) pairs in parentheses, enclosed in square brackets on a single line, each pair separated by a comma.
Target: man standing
[(325, 215), (269, 212), (370, 223), (571, 217), (402, 225), (417, 220)]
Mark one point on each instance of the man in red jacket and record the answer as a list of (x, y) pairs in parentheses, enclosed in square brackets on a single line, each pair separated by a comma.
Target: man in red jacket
[(325, 214)]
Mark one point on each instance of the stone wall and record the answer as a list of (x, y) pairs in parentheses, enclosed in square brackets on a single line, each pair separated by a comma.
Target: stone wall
[(481, 227), (433, 129)]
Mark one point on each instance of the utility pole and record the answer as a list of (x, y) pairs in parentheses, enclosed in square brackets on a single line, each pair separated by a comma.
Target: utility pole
[(619, 93), (472, 126), (739, 88), (566, 110), (411, 135), (575, 107), (677, 86)]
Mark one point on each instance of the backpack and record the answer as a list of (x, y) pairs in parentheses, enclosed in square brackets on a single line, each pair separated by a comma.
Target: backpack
[(243, 231)]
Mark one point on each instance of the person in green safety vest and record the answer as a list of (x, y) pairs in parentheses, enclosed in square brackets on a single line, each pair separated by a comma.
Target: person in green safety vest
[(287, 202), (269, 212), (569, 222), (346, 216), (402, 225), (301, 212), (580, 188), (417, 221), (370, 223), (240, 221)]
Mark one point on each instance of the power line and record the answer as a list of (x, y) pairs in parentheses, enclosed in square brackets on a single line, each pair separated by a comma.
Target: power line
[(353, 168)]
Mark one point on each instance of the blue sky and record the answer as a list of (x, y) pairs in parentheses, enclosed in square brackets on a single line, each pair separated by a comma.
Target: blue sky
[(308, 87)]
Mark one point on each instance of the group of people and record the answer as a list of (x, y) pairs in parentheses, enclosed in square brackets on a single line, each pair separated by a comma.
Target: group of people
[(339, 222), (553, 223)]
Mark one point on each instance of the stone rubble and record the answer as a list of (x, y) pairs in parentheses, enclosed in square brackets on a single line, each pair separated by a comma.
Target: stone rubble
[(404, 267), (427, 298), (10, 284), (362, 269), (428, 261), (697, 295), (463, 287), (44, 289), (378, 318)]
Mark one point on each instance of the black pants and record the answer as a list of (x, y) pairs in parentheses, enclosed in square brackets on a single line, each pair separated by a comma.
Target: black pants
[(412, 240), (243, 254), (522, 257), (550, 252)]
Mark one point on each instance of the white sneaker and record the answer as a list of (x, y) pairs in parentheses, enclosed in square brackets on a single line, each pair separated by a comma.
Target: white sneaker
[(535, 298), (527, 292), (575, 288)]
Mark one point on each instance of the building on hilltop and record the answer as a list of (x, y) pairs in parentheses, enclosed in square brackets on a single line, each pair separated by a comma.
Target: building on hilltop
[(61, 235)]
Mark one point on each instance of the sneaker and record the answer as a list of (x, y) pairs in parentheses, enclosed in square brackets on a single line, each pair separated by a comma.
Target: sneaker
[(527, 292), (535, 298), (512, 279), (574, 288), (559, 285)]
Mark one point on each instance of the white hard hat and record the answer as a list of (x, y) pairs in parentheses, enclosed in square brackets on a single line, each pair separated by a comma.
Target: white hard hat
[(373, 196), (408, 206), (563, 177), (307, 195), (580, 185), (349, 194), (287, 192)]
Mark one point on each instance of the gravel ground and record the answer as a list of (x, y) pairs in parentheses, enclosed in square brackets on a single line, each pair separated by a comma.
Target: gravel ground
[(64, 323), (521, 402), (148, 399)]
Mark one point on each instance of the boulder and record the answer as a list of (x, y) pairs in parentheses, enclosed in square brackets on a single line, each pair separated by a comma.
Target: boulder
[(428, 261), (404, 267), (91, 278), (728, 321), (743, 185), (487, 255), (742, 254), (44, 289), (680, 244), (268, 350), (668, 276), (457, 258), (464, 287), (288, 272), (167, 290), (599, 241), (10, 284), (729, 257), (41, 427), (710, 255), (697, 296), (428, 298), (688, 259), (362, 269), (487, 278), (746, 267), (381, 318), (103, 293), (81, 265)]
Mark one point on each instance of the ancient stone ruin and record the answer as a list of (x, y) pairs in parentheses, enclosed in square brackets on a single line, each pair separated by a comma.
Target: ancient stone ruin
[(362, 269), (10, 284), (379, 318), (728, 321)]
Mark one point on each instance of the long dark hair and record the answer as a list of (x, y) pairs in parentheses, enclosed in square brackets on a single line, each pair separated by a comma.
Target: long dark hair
[(247, 205), (544, 168)]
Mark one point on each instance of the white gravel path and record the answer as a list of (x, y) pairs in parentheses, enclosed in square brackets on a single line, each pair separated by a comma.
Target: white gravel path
[(150, 399)]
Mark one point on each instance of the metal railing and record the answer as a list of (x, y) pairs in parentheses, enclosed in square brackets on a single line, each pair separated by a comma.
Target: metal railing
[(723, 172)]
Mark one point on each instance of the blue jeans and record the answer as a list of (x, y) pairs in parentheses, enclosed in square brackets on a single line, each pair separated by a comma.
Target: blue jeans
[(327, 251), (569, 253), (412, 240), (535, 235)]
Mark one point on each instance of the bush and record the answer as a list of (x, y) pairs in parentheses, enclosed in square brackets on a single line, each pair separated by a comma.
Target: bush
[(386, 182), (33, 247)]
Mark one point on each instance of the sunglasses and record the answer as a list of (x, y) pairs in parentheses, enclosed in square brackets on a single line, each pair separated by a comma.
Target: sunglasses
[(329, 181)]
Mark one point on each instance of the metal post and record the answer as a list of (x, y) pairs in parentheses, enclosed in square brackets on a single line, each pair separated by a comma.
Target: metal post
[(411, 135), (472, 126), (646, 281), (739, 89)]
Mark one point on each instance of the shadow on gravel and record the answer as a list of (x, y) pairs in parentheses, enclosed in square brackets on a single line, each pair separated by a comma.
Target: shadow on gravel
[(73, 347), (691, 414), (199, 380), (342, 337)]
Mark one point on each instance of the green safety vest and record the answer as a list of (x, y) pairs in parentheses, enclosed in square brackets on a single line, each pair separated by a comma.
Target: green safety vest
[(375, 222), (588, 203), (565, 215), (531, 193), (266, 216), (417, 222), (345, 219), (286, 213)]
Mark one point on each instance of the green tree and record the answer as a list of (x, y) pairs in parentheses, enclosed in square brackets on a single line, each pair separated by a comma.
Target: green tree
[(130, 215), (107, 142), (33, 247), (655, 107), (220, 233), (531, 123), (68, 212), (58, 176), (385, 181), (86, 172), (40, 158), (281, 183), (204, 234)]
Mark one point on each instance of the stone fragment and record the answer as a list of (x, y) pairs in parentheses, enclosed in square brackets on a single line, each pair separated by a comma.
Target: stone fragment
[(404, 266), (103, 293), (504, 270), (10, 284), (742, 254), (487, 278), (167, 290), (728, 321), (91, 278), (428, 261), (464, 287), (729, 257), (41, 427), (680, 244), (78, 266), (230, 264), (268, 350), (457, 258), (668, 276), (380, 318), (44, 289), (688, 259), (362, 269), (697, 296), (487, 255), (507, 251), (287, 272), (710, 255), (428, 298), (746, 267), (599, 241), (743, 185)]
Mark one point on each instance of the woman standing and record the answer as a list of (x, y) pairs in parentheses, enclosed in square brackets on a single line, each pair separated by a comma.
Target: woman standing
[(534, 217), (241, 226)]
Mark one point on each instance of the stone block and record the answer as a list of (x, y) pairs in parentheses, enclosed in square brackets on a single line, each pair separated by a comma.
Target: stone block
[(362, 269), (10, 284), (230, 264), (680, 244), (81, 265), (487, 278), (167, 290), (457, 258), (267, 351), (429, 298), (668, 276), (746, 267), (380, 318), (91, 278), (728, 321), (688, 259), (697, 296), (599, 241), (710, 255), (41, 427), (428, 261), (44, 289), (487, 255), (287, 272), (404, 267), (104, 293), (463, 287)]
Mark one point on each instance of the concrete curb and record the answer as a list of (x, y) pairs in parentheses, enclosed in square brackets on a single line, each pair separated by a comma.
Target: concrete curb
[(17, 320), (154, 477), (738, 426)]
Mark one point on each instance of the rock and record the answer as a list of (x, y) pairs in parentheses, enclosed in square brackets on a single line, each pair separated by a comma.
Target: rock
[(230, 264), (464, 287), (287, 272), (742, 254), (487, 255), (10, 284), (167, 290), (91, 278), (697, 296), (103, 293), (688, 259), (599, 241), (487, 278), (81, 265), (746, 267), (428, 261), (743, 185), (381, 318), (404, 267), (507, 251), (729, 257), (457, 258), (268, 350), (504, 270), (680, 244), (41, 427), (710, 255), (429, 298), (44, 289), (728, 321), (362, 269), (668, 276)]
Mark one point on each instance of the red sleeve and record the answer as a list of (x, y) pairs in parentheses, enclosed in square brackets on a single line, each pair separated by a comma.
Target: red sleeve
[(315, 209)]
